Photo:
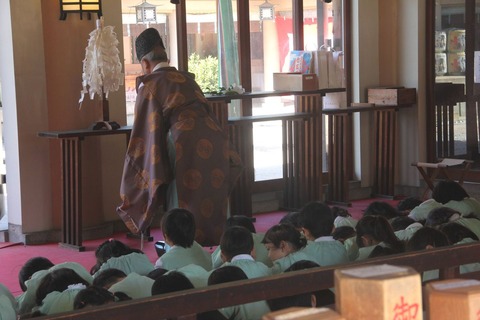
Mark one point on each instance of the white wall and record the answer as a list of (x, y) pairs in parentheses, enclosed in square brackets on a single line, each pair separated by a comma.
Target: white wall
[(9, 101), (40, 70)]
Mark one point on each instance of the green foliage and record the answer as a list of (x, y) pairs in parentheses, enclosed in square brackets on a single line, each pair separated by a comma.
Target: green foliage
[(206, 71)]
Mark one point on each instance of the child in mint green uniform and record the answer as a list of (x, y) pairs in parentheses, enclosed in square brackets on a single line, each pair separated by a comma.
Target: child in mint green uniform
[(237, 249), (178, 227), (248, 311), (317, 224), (114, 254), (285, 245), (261, 253)]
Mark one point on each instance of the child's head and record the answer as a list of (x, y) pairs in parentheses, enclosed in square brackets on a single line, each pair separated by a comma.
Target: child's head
[(447, 190), (316, 220), (96, 296), (236, 240), (340, 212), (373, 230), (401, 223), (242, 221), (108, 278), (456, 232), (293, 218), (381, 208), (439, 216), (30, 267), (313, 299), (343, 233), (226, 274), (156, 273), (406, 205), (427, 238), (283, 239), (110, 249), (171, 282), (178, 227), (57, 280)]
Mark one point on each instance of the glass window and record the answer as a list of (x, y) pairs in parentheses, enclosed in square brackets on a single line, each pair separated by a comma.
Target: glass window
[(271, 42), (165, 24), (213, 56)]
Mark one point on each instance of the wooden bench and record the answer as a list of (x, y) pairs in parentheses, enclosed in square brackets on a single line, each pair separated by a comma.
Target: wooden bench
[(188, 302)]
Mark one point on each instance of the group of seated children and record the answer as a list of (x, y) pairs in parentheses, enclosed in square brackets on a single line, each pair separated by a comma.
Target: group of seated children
[(316, 235)]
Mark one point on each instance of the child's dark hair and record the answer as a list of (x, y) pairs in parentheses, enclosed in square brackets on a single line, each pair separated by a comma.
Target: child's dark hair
[(323, 297), (30, 267), (293, 218), (343, 233), (302, 265), (340, 212), (380, 230), (401, 223), (381, 208), (226, 274), (427, 236), (110, 249), (456, 232), (235, 241), (439, 216), (156, 273), (57, 280), (408, 204), (97, 296), (171, 282), (108, 277), (447, 190), (380, 251), (239, 220), (317, 218), (179, 226), (284, 232)]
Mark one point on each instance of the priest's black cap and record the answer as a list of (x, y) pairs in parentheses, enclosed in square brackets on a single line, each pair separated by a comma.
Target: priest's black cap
[(146, 41)]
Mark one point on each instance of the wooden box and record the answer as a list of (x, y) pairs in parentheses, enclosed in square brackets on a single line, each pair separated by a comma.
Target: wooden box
[(299, 313), (392, 96), (453, 299), (335, 100), (295, 81), (378, 292)]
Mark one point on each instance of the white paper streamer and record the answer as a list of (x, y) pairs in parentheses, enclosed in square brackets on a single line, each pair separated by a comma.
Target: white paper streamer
[(102, 69)]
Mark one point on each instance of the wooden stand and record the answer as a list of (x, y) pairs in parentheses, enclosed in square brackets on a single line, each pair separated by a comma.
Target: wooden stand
[(71, 180)]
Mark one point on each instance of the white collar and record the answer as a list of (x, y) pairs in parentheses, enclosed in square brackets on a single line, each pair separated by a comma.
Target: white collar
[(242, 257), (324, 238), (161, 65)]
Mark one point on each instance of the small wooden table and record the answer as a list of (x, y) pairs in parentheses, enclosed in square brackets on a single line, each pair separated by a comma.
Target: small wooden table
[(442, 167), (71, 176)]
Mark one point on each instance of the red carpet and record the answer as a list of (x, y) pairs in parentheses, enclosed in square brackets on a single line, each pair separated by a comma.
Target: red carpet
[(13, 255)]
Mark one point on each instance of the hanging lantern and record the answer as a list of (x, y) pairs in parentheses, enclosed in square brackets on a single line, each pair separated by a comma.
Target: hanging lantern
[(146, 12), (266, 11), (80, 6)]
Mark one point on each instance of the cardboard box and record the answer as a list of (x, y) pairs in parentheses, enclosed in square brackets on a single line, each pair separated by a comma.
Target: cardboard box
[(377, 292), (299, 313), (392, 96), (453, 299), (295, 82)]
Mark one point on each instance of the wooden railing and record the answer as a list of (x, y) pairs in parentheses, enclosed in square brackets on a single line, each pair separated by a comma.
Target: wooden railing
[(188, 302)]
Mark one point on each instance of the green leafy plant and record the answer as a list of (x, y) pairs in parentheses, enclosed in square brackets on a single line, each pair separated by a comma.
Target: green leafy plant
[(206, 72)]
